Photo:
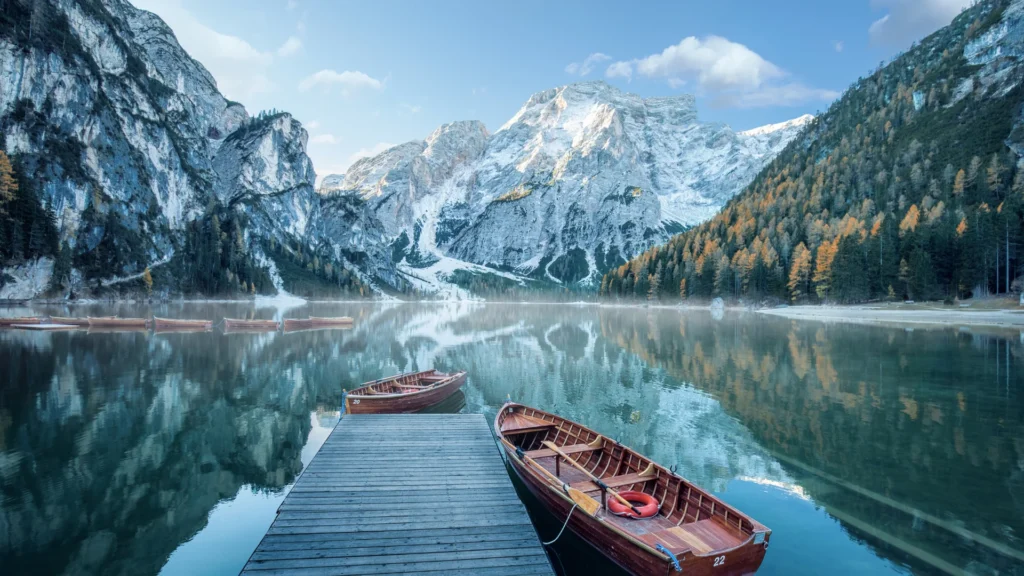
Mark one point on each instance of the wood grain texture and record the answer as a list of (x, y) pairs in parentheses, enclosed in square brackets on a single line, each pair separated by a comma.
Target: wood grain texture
[(403, 494)]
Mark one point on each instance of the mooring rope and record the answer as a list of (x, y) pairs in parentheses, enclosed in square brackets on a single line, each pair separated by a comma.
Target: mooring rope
[(573, 509)]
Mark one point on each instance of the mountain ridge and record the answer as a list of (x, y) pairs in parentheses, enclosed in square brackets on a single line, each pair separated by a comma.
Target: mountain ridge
[(910, 186), (556, 193)]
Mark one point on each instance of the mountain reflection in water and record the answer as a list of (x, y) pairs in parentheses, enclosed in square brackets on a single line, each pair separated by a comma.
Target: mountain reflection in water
[(866, 449)]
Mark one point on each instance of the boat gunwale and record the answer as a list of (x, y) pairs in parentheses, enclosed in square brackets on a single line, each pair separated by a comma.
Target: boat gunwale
[(440, 383), (510, 449)]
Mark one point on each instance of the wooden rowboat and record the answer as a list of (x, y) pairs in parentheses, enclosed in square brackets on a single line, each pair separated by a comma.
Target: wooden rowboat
[(69, 321), (690, 526), (339, 321), (403, 393), (20, 320), (175, 324), (233, 324), (108, 322), (292, 324)]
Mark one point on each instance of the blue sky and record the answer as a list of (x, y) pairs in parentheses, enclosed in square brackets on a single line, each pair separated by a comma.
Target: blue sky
[(365, 75)]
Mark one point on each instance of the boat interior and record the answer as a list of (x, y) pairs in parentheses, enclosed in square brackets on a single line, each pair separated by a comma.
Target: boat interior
[(405, 384), (689, 519)]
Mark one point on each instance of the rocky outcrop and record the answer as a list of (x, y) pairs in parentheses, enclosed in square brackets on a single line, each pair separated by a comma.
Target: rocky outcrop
[(111, 116)]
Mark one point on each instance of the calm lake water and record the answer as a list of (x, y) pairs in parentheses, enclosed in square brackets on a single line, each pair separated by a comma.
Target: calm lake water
[(867, 450)]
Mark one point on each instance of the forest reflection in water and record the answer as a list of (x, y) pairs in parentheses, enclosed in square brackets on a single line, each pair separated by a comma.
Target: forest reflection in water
[(875, 449)]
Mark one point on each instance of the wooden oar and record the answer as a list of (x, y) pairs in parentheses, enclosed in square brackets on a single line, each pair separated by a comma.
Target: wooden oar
[(551, 446), (582, 500)]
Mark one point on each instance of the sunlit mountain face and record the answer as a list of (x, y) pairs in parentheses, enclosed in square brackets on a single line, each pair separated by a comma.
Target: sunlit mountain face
[(892, 450)]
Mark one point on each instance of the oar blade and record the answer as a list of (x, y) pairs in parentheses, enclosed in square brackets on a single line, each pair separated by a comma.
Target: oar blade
[(585, 502)]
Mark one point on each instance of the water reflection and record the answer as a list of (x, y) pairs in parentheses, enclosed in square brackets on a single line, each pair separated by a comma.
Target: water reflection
[(890, 450)]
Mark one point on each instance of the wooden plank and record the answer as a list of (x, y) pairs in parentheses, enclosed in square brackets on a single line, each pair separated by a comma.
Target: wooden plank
[(387, 494)]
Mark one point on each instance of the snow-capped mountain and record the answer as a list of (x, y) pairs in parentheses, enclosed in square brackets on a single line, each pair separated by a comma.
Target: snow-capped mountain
[(581, 178)]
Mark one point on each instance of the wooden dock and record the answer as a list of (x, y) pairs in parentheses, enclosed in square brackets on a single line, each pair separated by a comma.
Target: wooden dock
[(403, 494)]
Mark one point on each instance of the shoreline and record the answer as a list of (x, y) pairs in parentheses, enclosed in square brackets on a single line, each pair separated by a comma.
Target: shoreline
[(867, 314)]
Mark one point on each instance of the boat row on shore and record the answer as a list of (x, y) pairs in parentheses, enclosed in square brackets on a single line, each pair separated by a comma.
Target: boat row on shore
[(115, 323)]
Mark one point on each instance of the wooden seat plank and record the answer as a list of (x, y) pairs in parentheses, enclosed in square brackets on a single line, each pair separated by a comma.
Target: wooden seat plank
[(614, 482)]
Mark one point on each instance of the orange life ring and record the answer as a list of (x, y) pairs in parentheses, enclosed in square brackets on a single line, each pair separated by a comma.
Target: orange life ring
[(645, 503)]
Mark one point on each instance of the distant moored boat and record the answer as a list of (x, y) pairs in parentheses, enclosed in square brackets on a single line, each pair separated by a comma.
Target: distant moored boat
[(20, 320), (236, 324), (112, 322), (175, 324), (409, 392), (69, 321)]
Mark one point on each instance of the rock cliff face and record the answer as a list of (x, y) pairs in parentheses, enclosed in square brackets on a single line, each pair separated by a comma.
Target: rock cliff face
[(582, 177), (109, 113)]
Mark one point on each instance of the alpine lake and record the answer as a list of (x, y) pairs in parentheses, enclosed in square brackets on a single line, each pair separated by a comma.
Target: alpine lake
[(866, 449)]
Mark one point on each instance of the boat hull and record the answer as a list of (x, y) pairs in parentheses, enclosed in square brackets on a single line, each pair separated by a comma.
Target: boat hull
[(171, 324), (630, 546), (403, 403), (83, 322), (20, 320), (251, 325), (324, 322), (95, 322)]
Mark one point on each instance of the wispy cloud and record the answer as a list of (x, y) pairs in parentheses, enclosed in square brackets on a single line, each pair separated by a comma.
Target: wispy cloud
[(908, 20), (411, 108), (290, 46), (348, 80), (620, 70), (312, 125), (728, 72), (587, 65), (839, 46)]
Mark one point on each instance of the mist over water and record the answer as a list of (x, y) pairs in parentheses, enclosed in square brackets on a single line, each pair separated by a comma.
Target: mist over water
[(866, 449)]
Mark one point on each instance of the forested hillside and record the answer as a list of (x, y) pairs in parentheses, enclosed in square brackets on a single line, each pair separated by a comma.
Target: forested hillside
[(909, 186)]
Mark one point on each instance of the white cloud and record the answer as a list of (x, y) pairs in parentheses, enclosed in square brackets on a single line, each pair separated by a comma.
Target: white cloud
[(839, 46), (323, 139), (291, 5), (240, 69), (587, 66), (312, 125), (412, 108), (348, 80), (908, 20), (620, 70), (716, 62), (729, 73), (290, 46)]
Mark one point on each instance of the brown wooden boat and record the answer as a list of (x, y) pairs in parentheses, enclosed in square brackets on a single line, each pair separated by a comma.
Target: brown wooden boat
[(254, 325), (69, 321), (338, 321), (45, 327), (176, 324), (293, 324), (690, 526), (20, 320), (109, 322), (409, 392)]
